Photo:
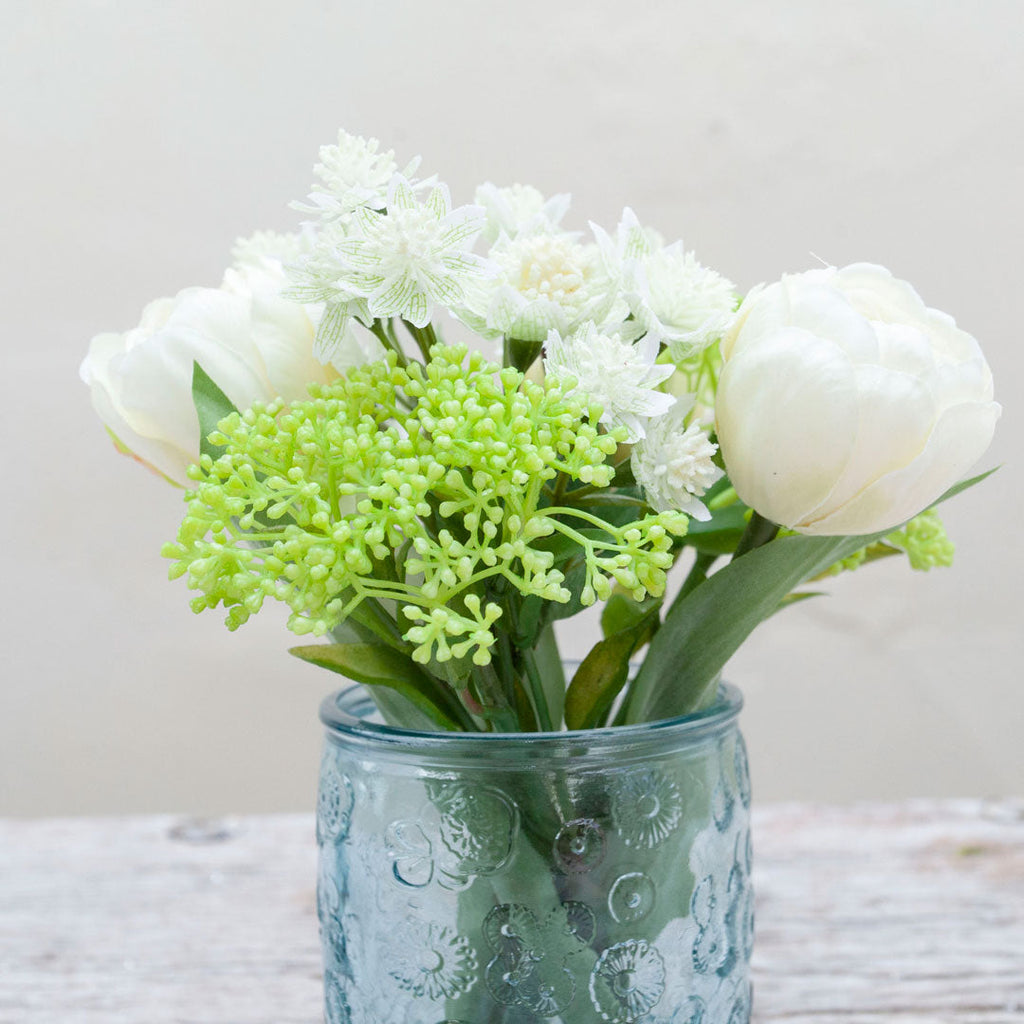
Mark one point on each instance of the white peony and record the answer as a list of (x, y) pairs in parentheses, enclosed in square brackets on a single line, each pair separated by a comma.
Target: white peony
[(255, 345), (846, 406)]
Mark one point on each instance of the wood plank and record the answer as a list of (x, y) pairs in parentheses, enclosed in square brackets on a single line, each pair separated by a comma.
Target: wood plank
[(907, 912)]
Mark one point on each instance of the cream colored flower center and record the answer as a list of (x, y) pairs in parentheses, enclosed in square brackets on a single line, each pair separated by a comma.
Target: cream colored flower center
[(687, 464), (414, 236), (547, 267)]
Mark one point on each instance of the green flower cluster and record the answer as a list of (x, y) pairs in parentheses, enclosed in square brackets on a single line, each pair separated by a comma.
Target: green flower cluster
[(925, 541), (423, 486)]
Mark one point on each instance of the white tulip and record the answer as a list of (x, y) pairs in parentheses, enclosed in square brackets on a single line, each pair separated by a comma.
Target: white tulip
[(253, 343), (846, 406)]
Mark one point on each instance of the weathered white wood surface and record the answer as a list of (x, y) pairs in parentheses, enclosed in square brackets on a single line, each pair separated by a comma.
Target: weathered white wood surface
[(910, 913)]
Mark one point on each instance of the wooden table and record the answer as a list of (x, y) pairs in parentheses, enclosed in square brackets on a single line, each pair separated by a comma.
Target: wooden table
[(905, 913)]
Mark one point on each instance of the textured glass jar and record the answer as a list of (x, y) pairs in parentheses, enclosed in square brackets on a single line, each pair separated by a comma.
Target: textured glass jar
[(573, 877)]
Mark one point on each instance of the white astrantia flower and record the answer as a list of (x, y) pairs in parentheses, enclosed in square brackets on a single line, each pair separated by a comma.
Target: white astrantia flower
[(674, 462), (686, 305), (632, 242), (544, 281), (316, 274), (610, 370), (315, 282), (413, 255), (518, 209), (353, 173)]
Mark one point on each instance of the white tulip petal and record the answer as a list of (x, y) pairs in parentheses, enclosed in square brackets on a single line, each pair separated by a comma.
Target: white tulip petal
[(786, 420), (906, 348), (254, 344), (808, 301), (959, 439), (764, 311)]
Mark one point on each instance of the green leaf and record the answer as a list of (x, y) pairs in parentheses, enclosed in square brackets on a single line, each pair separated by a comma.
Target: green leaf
[(378, 665), (522, 354), (598, 680), (720, 534), (701, 632), (552, 673), (704, 630), (372, 618), (962, 486), (212, 405), (604, 671), (621, 612), (800, 595)]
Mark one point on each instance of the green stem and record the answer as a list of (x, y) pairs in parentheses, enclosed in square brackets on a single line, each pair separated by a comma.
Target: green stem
[(759, 531), (389, 341), (370, 613), (493, 699), (425, 337), (540, 700), (608, 498), (558, 495)]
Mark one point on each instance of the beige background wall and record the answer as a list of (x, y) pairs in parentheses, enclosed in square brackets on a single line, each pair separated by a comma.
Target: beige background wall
[(139, 139)]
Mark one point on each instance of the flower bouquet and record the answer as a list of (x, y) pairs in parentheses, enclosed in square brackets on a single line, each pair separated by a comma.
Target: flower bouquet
[(504, 838)]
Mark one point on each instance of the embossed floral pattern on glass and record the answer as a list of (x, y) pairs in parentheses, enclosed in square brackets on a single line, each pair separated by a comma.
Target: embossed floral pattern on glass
[(573, 878)]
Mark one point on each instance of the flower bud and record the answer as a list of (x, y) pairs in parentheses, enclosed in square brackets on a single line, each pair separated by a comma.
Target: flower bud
[(846, 406)]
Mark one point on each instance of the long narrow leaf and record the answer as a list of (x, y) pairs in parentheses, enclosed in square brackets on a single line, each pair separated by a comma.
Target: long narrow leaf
[(603, 672), (598, 680), (706, 628), (377, 665)]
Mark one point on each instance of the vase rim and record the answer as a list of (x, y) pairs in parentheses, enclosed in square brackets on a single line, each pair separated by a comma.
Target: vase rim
[(345, 713)]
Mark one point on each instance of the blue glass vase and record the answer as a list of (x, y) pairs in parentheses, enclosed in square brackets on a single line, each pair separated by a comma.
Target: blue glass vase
[(572, 877)]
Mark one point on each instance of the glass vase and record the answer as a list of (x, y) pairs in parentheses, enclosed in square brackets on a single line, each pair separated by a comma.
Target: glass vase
[(573, 877)]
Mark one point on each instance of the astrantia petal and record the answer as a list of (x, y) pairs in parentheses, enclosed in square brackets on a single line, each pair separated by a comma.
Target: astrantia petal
[(611, 372)]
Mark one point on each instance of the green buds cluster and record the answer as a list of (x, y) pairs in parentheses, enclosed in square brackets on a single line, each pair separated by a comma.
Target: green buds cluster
[(420, 485), (925, 541)]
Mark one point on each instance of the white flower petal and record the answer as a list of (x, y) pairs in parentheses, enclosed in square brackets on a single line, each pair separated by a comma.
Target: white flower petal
[(846, 406), (960, 438), (786, 417)]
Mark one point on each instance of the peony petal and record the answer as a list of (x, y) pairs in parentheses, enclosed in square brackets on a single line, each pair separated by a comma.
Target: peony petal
[(165, 457), (819, 309), (896, 415), (283, 334), (786, 417), (877, 295), (156, 383), (959, 439)]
